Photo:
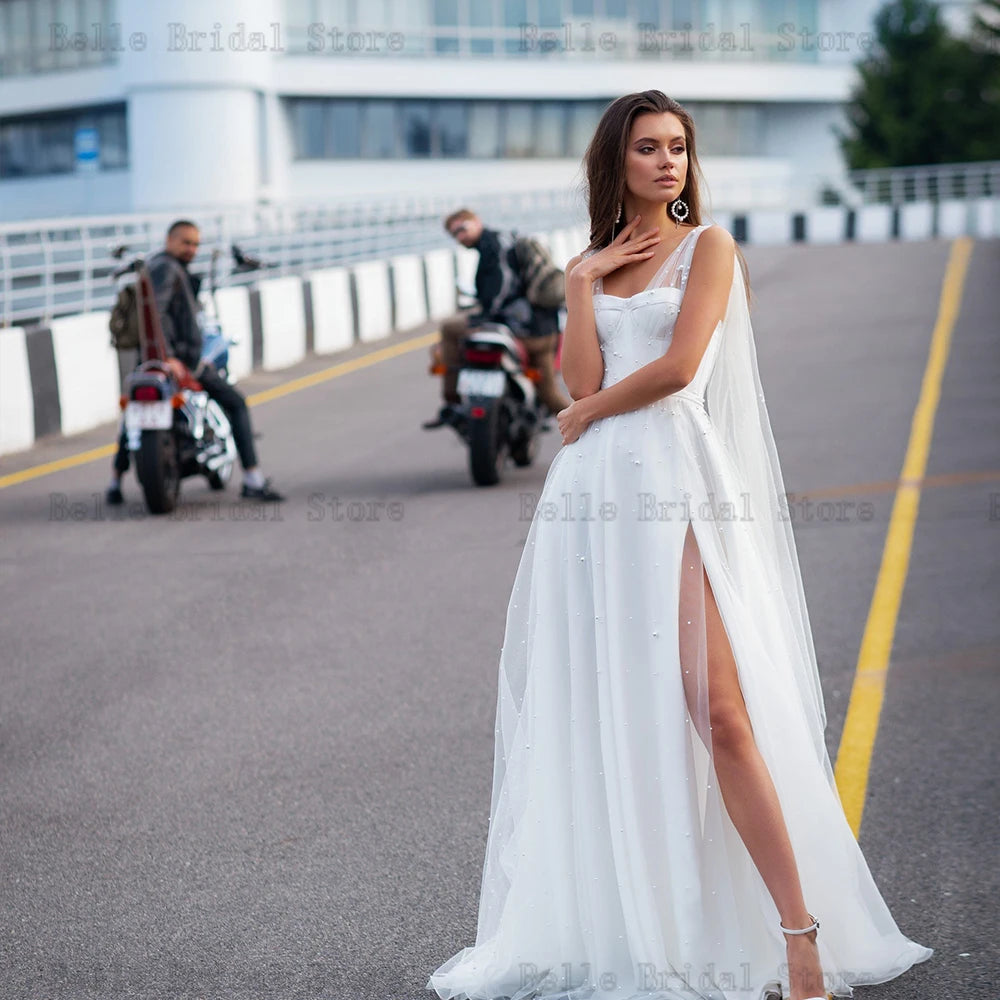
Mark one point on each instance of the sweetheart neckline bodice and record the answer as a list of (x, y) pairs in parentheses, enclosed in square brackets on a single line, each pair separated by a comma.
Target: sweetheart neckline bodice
[(645, 291)]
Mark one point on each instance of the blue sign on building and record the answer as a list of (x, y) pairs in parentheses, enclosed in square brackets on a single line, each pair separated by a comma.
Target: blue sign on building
[(87, 144)]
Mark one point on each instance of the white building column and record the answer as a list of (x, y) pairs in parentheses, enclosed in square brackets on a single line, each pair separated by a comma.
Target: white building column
[(199, 99)]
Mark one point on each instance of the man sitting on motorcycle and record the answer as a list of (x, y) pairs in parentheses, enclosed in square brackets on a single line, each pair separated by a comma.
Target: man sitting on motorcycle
[(501, 293), (176, 292)]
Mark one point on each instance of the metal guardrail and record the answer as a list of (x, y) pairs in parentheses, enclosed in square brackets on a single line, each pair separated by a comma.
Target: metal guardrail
[(59, 267), (898, 185)]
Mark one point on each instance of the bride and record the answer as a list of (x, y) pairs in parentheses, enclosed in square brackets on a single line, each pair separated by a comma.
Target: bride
[(664, 822)]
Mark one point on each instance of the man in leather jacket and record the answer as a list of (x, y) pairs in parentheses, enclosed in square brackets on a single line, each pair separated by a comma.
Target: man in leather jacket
[(176, 290), (500, 291)]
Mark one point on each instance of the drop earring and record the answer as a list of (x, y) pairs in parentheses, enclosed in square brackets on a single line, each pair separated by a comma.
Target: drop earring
[(621, 208), (679, 211)]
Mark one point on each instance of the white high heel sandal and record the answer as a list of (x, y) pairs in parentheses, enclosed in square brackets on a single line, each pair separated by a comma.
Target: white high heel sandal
[(814, 926)]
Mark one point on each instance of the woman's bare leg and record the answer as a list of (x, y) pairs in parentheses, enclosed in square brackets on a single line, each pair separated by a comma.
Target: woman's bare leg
[(748, 791)]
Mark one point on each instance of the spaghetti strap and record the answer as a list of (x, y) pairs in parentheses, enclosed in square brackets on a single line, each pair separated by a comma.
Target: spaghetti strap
[(674, 272)]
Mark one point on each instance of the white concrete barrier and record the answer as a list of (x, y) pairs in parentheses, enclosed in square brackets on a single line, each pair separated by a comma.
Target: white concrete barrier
[(17, 405), (283, 322), (767, 227), (333, 313), (467, 262), (916, 220), (825, 224), (873, 224), (439, 265), (87, 371), (371, 280), (234, 316), (409, 297), (985, 218), (953, 218)]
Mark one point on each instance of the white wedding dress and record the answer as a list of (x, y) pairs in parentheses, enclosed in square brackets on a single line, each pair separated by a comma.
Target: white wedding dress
[(612, 868)]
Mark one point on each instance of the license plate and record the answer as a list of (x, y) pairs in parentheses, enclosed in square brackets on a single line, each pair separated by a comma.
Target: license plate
[(481, 383), (158, 416)]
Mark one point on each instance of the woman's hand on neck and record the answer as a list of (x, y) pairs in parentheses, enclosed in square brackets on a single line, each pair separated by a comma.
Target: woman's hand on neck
[(654, 213)]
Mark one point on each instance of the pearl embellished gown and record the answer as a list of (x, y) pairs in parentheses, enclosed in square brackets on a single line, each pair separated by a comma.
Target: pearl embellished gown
[(612, 868)]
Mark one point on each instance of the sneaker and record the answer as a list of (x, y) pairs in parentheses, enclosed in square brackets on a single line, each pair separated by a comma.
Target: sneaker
[(265, 492), (113, 496)]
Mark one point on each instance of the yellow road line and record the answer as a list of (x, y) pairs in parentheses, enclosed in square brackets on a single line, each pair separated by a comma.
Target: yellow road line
[(295, 385), (865, 706), (12, 478), (344, 368), (890, 485)]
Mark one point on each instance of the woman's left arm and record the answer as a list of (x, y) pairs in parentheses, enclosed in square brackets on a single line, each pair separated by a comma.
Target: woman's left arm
[(702, 309)]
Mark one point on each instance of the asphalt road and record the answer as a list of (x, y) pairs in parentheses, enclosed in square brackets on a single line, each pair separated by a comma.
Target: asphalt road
[(246, 752)]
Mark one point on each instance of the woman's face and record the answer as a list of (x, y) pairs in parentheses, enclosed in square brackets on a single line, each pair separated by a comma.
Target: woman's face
[(656, 161)]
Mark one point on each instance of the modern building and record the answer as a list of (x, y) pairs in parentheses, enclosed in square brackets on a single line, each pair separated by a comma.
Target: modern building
[(111, 106)]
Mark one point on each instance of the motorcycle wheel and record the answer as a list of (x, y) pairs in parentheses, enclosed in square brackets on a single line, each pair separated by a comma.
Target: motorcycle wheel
[(156, 465), (488, 443)]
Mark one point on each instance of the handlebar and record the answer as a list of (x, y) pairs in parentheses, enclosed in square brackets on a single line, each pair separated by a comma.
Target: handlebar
[(132, 265), (243, 262)]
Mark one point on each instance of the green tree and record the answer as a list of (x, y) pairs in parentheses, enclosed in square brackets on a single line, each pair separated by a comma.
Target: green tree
[(986, 24), (923, 96)]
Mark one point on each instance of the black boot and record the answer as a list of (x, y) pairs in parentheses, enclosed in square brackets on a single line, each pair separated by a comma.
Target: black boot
[(446, 415)]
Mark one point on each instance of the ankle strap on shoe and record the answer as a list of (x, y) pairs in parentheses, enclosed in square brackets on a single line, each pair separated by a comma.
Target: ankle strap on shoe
[(814, 926)]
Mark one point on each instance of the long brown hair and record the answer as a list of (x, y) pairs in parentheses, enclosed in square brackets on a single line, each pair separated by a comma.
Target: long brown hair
[(604, 162)]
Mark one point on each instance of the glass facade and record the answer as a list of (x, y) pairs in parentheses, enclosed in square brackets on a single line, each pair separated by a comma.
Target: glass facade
[(350, 128), (40, 145), (607, 29), (44, 36)]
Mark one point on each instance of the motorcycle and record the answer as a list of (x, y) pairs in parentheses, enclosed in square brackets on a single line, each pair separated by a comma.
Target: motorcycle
[(173, 428), (500, 414)]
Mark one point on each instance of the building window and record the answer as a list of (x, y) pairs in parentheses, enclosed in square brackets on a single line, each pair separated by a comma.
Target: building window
[(379, 130), (415, 123), (344, 128), (482, 29), (515, 14), (728, 129), (518, 128), (408, 128), (583, 119), (515, 28), (42, 37), (446, 25), (484, 130), (451, 126), (550, 129), (310, 129), (40, 145)]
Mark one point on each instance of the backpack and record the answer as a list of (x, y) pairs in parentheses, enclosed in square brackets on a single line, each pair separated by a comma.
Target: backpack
[(124, 320), (544, 283)]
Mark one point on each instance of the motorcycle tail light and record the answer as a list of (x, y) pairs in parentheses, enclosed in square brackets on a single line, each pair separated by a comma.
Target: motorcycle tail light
[(122, 402), (177, 401), (146, 393), (477, 413), (534, 374), (483, 355), (439, 369)]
